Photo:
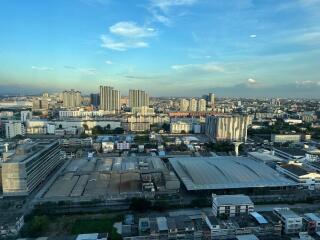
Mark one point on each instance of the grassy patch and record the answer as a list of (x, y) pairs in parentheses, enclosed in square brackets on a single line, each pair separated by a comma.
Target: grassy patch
[(42, 225)]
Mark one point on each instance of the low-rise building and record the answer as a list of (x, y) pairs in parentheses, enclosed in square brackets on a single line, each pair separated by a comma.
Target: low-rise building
[(282, 138), (291, 222), (311, 222), (136, 126), (180, 127), (289, 153), (231, 205), (296, 171)]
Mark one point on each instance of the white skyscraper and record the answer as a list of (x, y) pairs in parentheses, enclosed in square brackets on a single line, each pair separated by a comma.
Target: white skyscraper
[(184, 105), (202, 105), (193, 105), (71, 98), (211, 100), (138, 98), (109, 99)]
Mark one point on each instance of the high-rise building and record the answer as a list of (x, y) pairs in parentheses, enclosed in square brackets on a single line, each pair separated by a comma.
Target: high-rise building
[(25, 115), (227, 127), (14, 128), (138, 98), (71, 98), (95, 99), (40, 104), (31, 164), (193, 105), (109, 99), (211, 100), (184, 105), (202, 105)]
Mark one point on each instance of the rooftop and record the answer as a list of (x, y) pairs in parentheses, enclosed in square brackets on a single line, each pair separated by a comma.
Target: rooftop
[(232, 199), (26, 152), (264, 156), (223, 172), (313, 216), (291, 151), (286, 212), (295, 169)]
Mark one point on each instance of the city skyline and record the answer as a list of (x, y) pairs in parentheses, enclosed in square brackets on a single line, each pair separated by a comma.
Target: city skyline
[(168, 48)]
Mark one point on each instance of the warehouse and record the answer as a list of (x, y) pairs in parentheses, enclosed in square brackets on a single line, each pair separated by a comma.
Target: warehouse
[(110, 178), (226, 172)]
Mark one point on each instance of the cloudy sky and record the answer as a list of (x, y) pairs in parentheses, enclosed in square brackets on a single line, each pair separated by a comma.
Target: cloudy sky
[(248, 48)]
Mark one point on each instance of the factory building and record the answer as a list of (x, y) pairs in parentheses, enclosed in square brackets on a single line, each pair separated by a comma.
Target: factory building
[(226, 173)]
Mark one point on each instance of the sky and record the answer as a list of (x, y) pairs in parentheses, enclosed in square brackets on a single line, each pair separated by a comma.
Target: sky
[(241, 48)]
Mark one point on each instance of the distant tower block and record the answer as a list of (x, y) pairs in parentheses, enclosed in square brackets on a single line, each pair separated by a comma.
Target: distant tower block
[(6, 147), (236, 147)]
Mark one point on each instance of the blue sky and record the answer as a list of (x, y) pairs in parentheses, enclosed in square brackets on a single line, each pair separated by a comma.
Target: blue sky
[(168, 47)]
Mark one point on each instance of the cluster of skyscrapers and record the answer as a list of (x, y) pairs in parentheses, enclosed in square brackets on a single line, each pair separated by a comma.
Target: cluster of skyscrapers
[(108, 99)]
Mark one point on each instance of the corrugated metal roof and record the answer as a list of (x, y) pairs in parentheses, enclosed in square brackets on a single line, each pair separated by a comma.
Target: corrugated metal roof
[(232, 199), (222, 172), (259, 218), (162, 223)]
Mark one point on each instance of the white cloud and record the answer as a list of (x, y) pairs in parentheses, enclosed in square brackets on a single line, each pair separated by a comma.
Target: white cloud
[(253, 35), (312, 37), (121, 45), (83, 70), (160, 9), (108, 62), (307, 83), (41, 68), (159, 17), (252, 81), (164, 5), (88, 71), (206, 67), (125, 35), (131, 29)]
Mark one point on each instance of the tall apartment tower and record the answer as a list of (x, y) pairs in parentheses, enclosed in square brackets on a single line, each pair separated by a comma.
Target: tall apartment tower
[(40, 104), (184, 105), (14, 128), (109, 99), (227, 127), (71, 98), (138, 98), (202, 105), (95, 99), (193, 105), (211, 99)]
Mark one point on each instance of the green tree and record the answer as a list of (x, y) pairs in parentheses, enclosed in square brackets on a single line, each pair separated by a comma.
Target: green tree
[(166, 127), (140, 204), (36, 227), (118, 130)]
